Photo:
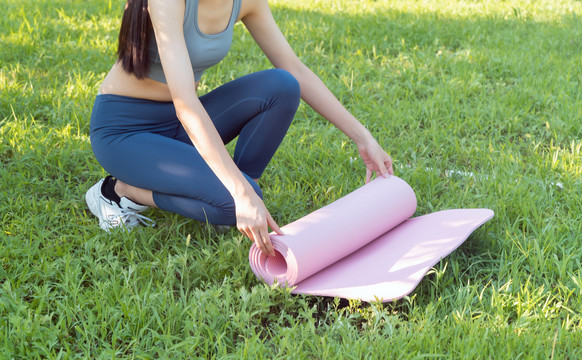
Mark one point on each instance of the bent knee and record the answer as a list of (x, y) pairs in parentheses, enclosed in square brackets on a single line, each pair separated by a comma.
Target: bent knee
[(285, 84)]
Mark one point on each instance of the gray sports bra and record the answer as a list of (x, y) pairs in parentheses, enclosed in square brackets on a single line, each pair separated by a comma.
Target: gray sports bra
[(205, 50)]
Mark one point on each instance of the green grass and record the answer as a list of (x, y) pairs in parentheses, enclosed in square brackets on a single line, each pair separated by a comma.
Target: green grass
[(490, 87)]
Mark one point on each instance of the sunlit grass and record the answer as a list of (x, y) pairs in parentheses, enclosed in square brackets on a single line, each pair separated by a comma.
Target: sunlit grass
[(479, 103)]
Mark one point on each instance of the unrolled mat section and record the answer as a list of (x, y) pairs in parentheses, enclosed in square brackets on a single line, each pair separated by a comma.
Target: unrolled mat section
[(364, 245)]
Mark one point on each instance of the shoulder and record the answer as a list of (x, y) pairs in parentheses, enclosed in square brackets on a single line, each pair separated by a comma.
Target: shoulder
[(164, 8), (253, 7)]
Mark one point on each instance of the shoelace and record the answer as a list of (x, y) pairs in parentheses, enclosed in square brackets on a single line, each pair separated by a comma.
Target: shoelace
[(144, 220), (132, 218)]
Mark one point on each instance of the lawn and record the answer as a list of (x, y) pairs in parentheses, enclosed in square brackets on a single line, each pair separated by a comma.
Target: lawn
[(479, 103)]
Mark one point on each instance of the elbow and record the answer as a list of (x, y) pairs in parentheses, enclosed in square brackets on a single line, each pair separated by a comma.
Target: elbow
[(180, 113)]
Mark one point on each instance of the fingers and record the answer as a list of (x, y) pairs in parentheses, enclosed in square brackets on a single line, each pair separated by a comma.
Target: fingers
[(268, 245), (377, 161), (253, 221), (260, 236), (263, 241), (271, 222), (368, 175), (249, 236), (383, 171), (388, 164), (386, 167)]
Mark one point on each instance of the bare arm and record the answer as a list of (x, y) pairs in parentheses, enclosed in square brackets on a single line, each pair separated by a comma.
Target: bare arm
[(260, 23), (252, 216)]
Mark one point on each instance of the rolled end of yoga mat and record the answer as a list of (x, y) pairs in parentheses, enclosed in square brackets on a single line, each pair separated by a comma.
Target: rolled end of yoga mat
[(331, 233), (281, 268)]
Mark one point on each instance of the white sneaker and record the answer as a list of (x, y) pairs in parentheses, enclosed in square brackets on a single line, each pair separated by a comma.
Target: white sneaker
[(111, 215)]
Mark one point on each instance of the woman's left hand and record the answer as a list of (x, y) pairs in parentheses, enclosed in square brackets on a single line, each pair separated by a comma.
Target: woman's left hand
[(375, 158)]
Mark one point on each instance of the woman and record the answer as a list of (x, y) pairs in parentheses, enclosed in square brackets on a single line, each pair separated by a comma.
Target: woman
[(165, 145)]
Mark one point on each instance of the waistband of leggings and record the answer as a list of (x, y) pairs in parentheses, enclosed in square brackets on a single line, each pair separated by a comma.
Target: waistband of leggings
[(124, 98)]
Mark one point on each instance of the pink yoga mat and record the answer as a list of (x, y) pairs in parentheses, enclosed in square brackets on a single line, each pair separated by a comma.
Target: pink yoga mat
[(365, 245)]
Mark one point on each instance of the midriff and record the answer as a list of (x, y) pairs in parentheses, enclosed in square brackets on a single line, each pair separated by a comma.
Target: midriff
[(118, 82)]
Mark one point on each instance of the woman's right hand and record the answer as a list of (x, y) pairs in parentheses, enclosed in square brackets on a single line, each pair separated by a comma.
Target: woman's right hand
[(253, 220)]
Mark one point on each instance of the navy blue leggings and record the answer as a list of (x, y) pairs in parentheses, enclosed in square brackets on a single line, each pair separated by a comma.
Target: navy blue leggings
[(142, 142)]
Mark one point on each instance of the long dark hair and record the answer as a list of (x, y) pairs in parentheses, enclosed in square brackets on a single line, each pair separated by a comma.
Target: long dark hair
[(134, 38)]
